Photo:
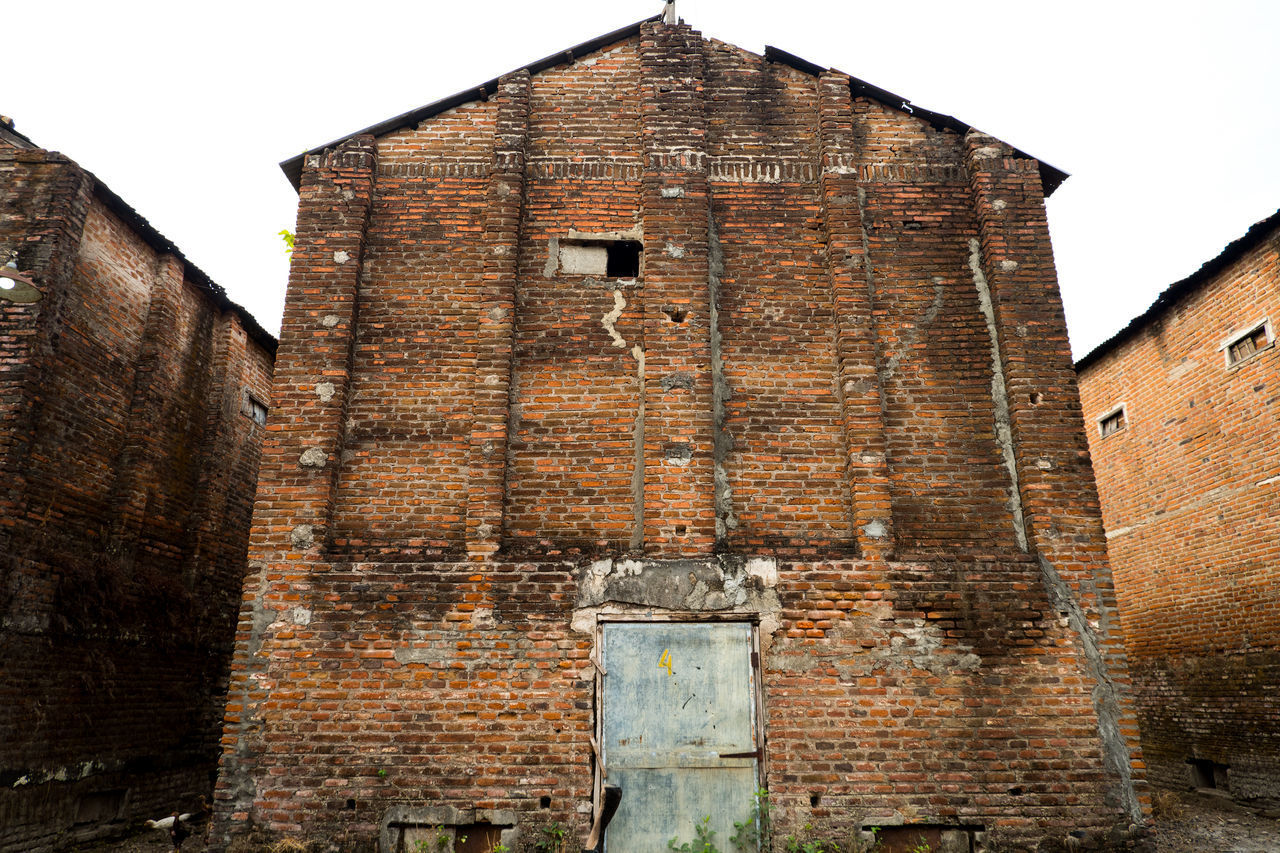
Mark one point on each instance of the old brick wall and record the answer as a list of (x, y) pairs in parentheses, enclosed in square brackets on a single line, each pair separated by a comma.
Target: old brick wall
[(836, 401), (128, 475), (1189, 498)]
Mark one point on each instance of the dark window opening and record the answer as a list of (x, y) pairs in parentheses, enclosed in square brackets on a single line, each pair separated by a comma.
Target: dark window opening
[(477, 838), (100, 806), (1112, 423), (623, 259), (1251, 342), (1206, 773)]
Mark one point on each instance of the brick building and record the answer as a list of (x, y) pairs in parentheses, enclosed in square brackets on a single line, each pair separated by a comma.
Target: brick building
[(129, 384), (669, 416), (1184, 425)]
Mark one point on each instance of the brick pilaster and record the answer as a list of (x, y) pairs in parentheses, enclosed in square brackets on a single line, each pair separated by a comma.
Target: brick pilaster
[(852, 291), (301, 454), (1058, 496), (496, 321), (679, 490)]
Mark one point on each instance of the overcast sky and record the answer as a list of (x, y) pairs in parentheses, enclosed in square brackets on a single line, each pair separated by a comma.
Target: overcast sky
[(1165, 114)]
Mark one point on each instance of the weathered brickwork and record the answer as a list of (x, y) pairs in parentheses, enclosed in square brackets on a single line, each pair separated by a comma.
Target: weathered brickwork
[(834, 401), (128, 477), (1191, 500)]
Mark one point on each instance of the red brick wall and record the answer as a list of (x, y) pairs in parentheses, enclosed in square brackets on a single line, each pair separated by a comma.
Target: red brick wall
[(128, 475), (1189, 497), (790, 417)]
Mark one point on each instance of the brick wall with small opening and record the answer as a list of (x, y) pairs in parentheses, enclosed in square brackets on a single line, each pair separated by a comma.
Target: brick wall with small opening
[(1190, 489), (673, 342), (129, 444)]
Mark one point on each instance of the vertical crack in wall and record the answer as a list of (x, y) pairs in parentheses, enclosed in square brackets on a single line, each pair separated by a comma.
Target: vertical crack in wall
[(999, 394), (1106, 699), (722, 441), (637, 469)]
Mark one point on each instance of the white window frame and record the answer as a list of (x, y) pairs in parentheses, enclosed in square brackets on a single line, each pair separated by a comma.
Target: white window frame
[(1122, 409), (1237, 336)]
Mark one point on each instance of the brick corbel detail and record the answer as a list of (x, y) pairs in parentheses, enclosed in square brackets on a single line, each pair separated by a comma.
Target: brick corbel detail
[(1060, 508), (857, 356), (679, 463), (496, 319)]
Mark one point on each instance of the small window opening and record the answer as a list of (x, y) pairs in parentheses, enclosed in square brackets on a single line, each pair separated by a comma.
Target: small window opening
[(603, 257), (1112, 422), (1247, 344), (1206, 773), (624, 259), (255, 409)]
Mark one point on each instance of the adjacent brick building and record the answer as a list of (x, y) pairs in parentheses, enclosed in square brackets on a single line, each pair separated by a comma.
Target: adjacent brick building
[(129, 386), (1183, 411), (669, 416)]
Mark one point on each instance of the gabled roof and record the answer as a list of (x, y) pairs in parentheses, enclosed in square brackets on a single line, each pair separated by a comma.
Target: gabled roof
[(1050, 177), (1234, 250)]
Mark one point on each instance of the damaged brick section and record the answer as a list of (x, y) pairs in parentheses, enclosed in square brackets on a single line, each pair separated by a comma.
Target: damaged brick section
[(788, 429)]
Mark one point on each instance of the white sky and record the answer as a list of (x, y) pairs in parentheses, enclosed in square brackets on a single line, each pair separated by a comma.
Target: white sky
[(1166, 114)]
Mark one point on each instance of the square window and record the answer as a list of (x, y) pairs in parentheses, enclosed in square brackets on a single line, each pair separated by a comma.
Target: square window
[(254, 409), (603, 257), (1113, 421), (1241, 346)]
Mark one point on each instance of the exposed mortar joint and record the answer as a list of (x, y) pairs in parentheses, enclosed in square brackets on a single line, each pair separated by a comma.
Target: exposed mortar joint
[(1106, 700), (909, 336), (313, 457), (677, 380), (325, 391), (302, 536), (988, 152), (875, 529), (999, 204), (553, 257), (721, 393), (330, 320), (619, 304), (1008, 266), (679, 453), (674, 251), (672, 192), (999, 394), (341, 257)]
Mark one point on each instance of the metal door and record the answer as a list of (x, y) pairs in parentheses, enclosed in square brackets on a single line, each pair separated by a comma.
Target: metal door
[(679, 729)]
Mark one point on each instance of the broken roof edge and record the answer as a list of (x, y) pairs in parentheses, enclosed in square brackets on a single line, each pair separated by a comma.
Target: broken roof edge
[(163, 245), (292, 167), (1231, 253), (1051, 177)]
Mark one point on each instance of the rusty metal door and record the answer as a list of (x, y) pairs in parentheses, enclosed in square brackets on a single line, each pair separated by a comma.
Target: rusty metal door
[(679, 729)]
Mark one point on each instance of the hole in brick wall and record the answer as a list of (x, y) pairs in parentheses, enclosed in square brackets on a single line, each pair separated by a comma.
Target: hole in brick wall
[(815, 799), (1015, 792), (477, 838), (680, 529), (1035, 398), (100, 806), (922, 836), (603, 257), (624, 259), (351, 804), (675, 314), (544, 802), (1206, 773)]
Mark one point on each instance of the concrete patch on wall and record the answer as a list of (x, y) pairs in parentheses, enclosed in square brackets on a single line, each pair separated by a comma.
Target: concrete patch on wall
[(721, 584)]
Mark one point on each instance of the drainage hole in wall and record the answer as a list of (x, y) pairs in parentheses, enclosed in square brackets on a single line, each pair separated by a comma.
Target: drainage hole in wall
[(544, 802)]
